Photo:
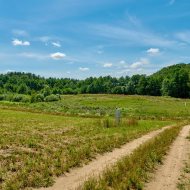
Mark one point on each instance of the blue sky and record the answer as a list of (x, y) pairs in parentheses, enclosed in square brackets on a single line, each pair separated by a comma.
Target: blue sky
[(82, 38)]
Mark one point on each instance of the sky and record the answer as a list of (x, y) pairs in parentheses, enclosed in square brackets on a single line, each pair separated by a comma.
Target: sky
[(83, 38)]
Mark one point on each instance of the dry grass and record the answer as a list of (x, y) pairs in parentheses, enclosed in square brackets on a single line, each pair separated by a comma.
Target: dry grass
[(36, 147), (132, 171)]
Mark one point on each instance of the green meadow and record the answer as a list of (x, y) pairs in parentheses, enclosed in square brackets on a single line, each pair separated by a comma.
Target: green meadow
[(39, 141), (105, 105)]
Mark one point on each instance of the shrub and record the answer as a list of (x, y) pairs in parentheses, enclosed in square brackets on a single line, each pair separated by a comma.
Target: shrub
[(52, 98), (2, 97), (19, 98), (26, 99), (9, 97), (37, 98)]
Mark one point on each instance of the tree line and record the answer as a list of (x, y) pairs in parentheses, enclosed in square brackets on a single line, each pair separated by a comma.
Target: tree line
[(172, 81)]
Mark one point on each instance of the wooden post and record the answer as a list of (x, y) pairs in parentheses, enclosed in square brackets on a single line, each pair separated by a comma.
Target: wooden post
[(117, 116)]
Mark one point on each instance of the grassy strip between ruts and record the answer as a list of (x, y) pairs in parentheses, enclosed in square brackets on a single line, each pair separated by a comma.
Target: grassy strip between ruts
[(184, 180), (133, 171)]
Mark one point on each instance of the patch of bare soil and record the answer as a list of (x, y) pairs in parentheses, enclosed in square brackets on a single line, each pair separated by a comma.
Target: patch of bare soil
[(167, 175), (77, 176)]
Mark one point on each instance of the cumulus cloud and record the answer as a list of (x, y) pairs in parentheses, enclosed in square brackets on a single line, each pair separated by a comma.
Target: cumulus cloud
[(139, 63), (57, 55), (153, 51), (17, 42), (56, 44), (108, 65), (84, 69)]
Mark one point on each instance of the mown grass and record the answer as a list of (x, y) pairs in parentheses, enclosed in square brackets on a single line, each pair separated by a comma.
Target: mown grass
[(102, 105), (34, 148), (184, 180), (133, 171)]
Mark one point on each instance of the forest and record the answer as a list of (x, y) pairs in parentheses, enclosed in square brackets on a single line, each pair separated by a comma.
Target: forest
[(171, 81)]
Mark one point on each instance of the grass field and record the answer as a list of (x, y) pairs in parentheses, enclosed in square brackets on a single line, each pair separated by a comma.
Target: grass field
[(131, 172), (101, 105), (35, 147)]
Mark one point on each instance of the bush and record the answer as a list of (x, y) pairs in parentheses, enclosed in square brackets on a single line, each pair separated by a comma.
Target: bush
[(14, 98), (17, 98), (52, 98), (20, 98), (37, 98), (26, 99), (2, 97)]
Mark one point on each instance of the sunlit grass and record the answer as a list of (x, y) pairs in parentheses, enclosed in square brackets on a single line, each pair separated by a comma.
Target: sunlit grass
[(132, 171), (36, 147), (102, 105)]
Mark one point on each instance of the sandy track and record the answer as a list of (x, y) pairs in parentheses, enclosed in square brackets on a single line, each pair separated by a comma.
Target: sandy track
[(167, 175), (77, 176)]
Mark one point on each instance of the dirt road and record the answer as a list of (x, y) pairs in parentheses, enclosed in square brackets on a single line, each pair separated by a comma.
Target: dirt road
[(77, 176), (167, 175)]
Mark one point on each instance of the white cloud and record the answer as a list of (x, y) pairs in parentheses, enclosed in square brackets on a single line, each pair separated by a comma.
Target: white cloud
[(84, 69), (153, 51), (57, 55), (56, 44), (20, 32), (108, 65), (140, 63), (17, 42)]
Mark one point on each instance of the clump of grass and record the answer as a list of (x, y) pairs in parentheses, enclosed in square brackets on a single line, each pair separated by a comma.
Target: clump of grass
[(132, 122), (109, 123), (132, 171)]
